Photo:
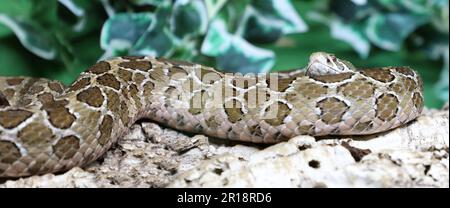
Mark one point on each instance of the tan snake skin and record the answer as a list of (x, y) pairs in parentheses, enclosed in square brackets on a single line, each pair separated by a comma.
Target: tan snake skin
[(46, 128)]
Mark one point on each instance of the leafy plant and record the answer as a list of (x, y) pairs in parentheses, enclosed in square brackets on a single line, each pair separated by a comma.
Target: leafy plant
[(48, 28), (197, 30)]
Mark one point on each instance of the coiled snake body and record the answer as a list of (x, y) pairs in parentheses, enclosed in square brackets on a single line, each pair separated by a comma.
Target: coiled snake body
[(45, 127)]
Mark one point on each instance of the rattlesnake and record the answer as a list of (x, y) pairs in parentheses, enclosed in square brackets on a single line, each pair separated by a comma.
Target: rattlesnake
[(47, 128)]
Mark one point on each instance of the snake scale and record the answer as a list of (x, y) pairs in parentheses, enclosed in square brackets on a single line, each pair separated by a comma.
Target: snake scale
[(47, 128)]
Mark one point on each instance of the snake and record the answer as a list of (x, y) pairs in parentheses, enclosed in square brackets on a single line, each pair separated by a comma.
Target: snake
[(46, 127)]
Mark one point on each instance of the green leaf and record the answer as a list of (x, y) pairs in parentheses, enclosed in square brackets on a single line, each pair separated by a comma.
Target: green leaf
[(163, 14), (155, 42), (390, 30), (147, 2), (214, 6), (32, 37), (417, 7), (186, 50), (217, 39), (158, 39), (284, 11), (79, 20), (36, 11), (437, 48), (241, 56), (440, 16), (17, 8), (233, 53), (73, 7), (352, 34), (189, 18), (351, 10), (122, 31), (442, 86), (4, 31), (267, 20), (45, 14)]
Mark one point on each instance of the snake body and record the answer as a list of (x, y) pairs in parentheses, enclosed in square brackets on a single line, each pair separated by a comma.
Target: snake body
[(46, 127)]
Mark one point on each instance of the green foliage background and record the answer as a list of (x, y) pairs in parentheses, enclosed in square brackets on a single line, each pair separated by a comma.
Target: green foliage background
[(58, 39)]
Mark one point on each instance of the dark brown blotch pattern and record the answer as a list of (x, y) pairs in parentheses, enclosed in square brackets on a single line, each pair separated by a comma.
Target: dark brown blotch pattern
[(48, 100), (281, 85), (113, 102), (9, 153), (233, 109), (158, 74), (405, 85), (35, 90), (138, 78), (56, 87), (91, 96), (60, 117), (310, 91), (12, 118), (137, 65), (133, 58), (125, 75), (14, 81), (124, 113), (29, 83), (66, 147), (109, 80), (379, 74), (3, 100), (332, 78), (276, 113), (80, 84), (58, 113), (358, 89), (418, 101), (178, 71), (332, 110), (387, 107), (105, 129), (148, 88), (100, 67), (133, 90), (9, 93), (206, 72), (404, 70)]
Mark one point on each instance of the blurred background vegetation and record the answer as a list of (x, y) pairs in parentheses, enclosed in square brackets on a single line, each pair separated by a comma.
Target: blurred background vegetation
[(58, 39)]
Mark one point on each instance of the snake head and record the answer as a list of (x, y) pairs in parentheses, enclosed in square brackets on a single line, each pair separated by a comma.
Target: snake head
[(321, 63)]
